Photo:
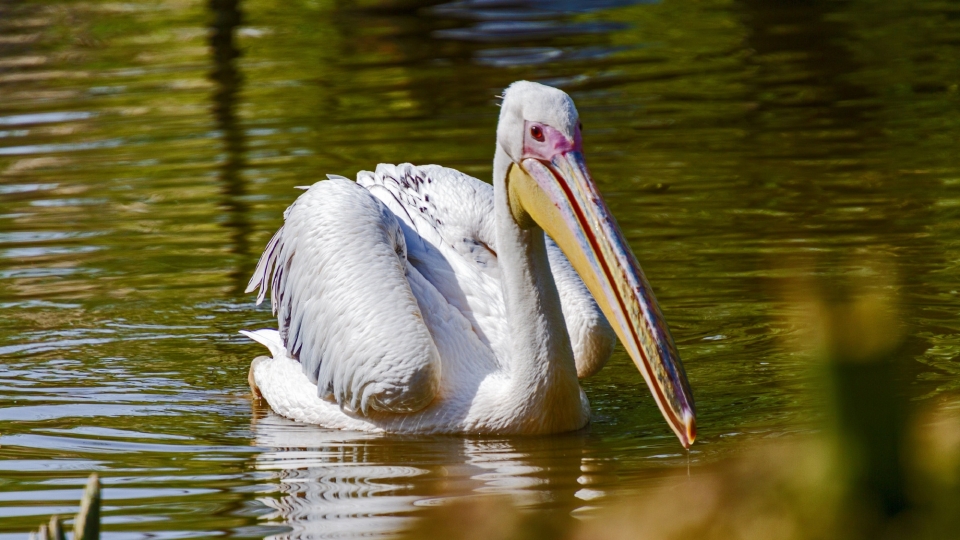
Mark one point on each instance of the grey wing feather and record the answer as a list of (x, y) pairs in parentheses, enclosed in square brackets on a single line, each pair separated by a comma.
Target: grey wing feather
[(337, 277)]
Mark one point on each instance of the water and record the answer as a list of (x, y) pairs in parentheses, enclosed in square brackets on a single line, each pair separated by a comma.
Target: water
[(148, 149)]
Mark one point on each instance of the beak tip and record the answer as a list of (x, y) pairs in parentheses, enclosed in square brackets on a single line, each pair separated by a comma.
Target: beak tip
[(690, 423)]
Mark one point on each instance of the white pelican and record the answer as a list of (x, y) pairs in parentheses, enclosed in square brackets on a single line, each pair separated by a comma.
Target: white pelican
[(421, 300)]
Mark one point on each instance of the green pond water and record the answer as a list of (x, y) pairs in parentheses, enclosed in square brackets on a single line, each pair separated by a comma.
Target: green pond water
[(148, 149)]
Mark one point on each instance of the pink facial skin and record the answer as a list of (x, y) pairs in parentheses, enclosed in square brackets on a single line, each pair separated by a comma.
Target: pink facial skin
[(553, 142)]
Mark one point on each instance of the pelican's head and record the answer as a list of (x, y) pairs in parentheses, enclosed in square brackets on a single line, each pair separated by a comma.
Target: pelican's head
[(549, 186)]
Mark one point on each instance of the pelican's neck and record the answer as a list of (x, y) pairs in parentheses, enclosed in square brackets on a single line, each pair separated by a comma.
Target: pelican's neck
[(541, 362)]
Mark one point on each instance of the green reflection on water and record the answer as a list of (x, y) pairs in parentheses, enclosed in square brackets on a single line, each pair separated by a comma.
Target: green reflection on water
[(147, 151)]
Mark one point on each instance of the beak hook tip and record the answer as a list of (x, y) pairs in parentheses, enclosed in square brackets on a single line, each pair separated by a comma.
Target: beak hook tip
[(690, 423)]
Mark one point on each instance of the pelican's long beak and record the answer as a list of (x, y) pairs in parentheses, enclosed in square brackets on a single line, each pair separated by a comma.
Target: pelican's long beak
[(561, 197)]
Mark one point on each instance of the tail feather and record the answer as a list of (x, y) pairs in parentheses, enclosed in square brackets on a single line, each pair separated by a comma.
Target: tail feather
[(269, 339)]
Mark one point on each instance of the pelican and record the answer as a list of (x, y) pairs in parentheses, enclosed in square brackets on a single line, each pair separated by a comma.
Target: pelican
[(422, 300)]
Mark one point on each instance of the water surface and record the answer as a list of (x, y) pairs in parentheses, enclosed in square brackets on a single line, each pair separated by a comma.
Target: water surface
[(148, 149)]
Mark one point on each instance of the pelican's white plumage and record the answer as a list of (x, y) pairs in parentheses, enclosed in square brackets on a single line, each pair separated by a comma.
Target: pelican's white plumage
[(393, 273), (420, 299)]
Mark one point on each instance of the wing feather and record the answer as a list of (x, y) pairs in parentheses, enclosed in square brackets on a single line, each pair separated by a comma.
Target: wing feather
[(337, 277)]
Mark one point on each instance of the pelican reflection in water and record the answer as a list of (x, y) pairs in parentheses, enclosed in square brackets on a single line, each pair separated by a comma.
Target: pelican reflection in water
[(339, 484), (421, 300)]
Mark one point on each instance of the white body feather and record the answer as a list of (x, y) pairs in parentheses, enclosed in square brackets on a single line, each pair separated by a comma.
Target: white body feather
[(392, 313)]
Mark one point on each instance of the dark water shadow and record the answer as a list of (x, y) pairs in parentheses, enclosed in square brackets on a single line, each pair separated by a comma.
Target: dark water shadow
[(227, 16), (813, 87)]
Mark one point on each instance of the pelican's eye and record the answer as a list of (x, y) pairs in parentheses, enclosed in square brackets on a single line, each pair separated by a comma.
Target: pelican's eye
[(537, 133)]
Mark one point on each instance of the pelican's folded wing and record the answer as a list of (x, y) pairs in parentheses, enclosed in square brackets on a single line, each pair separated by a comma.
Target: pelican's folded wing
[(337, 277)]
